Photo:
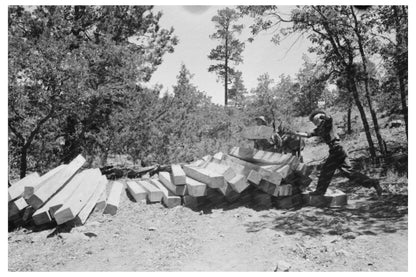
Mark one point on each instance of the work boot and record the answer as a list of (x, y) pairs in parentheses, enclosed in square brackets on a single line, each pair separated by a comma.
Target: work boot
[(377, 187)]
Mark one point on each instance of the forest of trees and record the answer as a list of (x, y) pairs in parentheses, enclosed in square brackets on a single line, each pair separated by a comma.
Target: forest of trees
[(77, 80)]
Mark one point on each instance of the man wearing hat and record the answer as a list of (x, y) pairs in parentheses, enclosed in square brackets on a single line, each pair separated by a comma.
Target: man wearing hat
[(272, 144), (338, 157)]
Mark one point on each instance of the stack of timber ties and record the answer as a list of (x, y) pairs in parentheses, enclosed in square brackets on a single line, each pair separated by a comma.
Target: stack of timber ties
[(68, 195)]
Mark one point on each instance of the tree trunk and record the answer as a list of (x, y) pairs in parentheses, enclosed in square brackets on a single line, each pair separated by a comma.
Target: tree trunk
[(226, 70), (401, 64), (352, 86), (366, 86), (349, 131), (23, 161)]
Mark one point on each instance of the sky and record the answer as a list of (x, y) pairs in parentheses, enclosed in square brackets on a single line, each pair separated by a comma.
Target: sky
[(193, 26)]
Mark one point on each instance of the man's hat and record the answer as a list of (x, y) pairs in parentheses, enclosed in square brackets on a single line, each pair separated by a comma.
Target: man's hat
[(262, 118), (315, 113)]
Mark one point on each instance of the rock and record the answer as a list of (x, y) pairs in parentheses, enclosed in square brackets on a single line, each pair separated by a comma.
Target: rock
[(73, 237), (349, 235), (152, 229), (93, 224), (282, 266)]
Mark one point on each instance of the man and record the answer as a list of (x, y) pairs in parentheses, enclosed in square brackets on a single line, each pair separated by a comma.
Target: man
[(337, 159), (270, 144)]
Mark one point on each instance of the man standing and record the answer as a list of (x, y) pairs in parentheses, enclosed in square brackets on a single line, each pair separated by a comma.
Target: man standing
[(338, 157), (272, 144)]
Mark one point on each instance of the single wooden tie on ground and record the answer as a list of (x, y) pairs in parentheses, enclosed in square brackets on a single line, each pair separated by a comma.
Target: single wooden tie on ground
[(332, 198), (79, 197), (47, 212), (178, 175), (17, 189), (169, 200), (167, 181), (113, 200), (82, 216), (257, 132), (56, 182), (29, 189), (212, 179), (136, 190), (154, 194)]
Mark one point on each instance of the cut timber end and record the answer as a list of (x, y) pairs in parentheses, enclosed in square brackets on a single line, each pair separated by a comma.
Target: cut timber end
[(101, 202), (239, 183), (17, 189), (153, 193), (41, 217), (168, 200), (195, 188), (114, 198), (254, 177), (64, 215), (136, 190), (166, 180), (178, 175), (15, 207), (218, 156)]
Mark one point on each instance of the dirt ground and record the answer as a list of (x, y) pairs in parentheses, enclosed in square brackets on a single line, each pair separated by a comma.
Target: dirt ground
[(368, 235)]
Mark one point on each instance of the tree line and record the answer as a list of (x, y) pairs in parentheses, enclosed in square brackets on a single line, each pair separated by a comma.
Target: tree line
[(77, 80)]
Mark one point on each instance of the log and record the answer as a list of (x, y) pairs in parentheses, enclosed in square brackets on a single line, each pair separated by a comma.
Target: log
[(47, 212), (136, 190), (55, 183), (195, 188), (83, 215), (212, 179), (167, 181), (153, 193), (178, 175), (29, 189), (257, 132), (17, 206), (16, 190), (169, 200), (285, 190), (190, 201), (113, 200), (79, 197)]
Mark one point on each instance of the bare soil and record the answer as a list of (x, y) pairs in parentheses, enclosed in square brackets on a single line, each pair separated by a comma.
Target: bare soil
[(369, 234)]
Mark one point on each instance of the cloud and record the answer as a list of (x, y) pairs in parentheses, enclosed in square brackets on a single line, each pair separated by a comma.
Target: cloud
[(196, 9)]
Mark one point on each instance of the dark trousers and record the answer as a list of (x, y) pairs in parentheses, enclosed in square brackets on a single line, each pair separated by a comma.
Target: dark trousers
[(338, 159)]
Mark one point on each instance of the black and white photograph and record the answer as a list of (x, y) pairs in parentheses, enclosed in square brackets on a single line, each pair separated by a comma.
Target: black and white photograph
[(201, 137)]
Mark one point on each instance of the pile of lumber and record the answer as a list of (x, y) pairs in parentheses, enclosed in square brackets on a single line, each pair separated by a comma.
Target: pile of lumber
[(67, 194)]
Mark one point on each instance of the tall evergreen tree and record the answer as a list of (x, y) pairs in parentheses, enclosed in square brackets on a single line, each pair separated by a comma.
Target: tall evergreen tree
[(230, 48)]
